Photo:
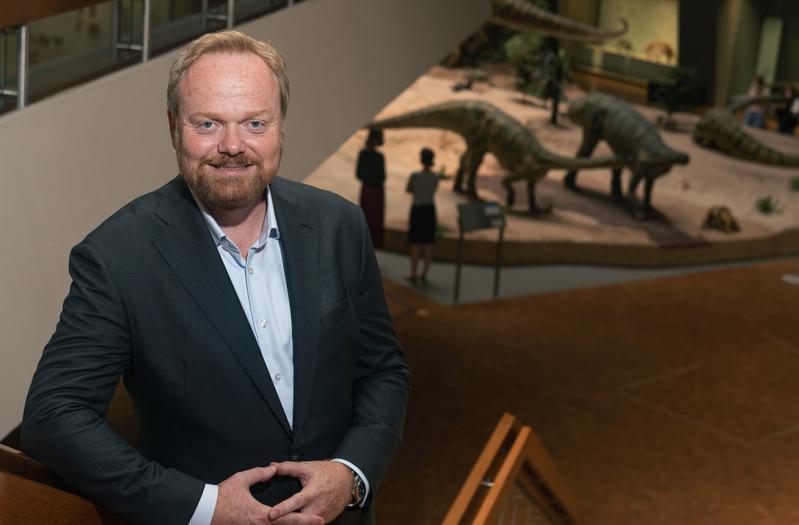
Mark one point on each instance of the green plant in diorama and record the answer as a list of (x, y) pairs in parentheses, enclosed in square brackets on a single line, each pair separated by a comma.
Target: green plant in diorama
[(520, 50), (675, 94), (542, 68), (767, 205), (795, 183)]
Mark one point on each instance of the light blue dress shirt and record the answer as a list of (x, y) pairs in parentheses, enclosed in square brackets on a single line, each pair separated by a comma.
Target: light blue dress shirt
[(260, 284)]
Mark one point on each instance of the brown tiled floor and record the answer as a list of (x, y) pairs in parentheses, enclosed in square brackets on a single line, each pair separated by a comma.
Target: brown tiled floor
[(670, 401)]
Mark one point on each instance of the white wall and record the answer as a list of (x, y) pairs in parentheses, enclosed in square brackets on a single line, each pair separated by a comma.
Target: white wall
[(71, 160)]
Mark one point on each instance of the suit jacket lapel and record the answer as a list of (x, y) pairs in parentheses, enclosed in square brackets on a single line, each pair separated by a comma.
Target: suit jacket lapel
[(187, 247), (299, 236)]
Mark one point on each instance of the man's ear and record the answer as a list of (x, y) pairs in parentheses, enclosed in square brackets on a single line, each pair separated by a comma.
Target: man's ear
[(172, 128)]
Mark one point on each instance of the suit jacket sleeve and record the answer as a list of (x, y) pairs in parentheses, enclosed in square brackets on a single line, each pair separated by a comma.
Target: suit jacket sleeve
[(382, 379), (64, 424)]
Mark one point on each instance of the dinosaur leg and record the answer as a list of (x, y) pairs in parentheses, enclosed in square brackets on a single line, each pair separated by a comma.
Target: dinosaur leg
[(648, 183), (467, 171), (615, 185), (507, 183), (590, 140), (531, 182), (457, 185), (474, 163), (637, 209)]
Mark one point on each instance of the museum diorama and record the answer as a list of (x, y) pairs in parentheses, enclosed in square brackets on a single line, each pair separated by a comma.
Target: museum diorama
[(623, 98)]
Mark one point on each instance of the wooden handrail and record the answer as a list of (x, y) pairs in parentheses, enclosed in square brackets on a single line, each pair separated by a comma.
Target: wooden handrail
[(27, 496), (15, 462), (27, 502), (19, 13)]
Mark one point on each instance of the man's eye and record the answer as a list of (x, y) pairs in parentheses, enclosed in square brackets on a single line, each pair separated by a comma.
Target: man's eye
[(207, 125), (256, 124)]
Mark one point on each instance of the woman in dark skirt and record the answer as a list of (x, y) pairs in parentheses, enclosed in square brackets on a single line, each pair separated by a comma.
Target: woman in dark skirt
[(422, 229), (371, 171)]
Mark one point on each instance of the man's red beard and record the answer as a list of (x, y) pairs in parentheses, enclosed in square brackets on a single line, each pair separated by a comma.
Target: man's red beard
[(226, 191)]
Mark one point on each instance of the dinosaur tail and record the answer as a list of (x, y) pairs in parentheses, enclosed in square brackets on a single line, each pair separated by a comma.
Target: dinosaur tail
[(669, 156), (554, 161), (734, 141), (739, 103), (451, 116), (520, 14)]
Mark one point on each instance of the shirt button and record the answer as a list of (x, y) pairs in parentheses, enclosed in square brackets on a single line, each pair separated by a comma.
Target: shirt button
[(263, 323), (278, 376), (249, 271)]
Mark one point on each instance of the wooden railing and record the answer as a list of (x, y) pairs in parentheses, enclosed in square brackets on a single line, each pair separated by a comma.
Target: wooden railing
[(28, 496), (14, 13)]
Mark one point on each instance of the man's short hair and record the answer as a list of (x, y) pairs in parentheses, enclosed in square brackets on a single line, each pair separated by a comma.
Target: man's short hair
[(227, 42)]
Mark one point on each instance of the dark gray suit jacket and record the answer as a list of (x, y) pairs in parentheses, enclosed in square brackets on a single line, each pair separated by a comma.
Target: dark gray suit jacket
[(151, 299)]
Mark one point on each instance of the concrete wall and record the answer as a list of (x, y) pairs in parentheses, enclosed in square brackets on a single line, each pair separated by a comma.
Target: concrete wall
[(69, 161)]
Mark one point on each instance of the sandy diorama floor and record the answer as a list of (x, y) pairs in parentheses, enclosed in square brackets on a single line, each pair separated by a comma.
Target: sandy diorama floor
[(682, 198)]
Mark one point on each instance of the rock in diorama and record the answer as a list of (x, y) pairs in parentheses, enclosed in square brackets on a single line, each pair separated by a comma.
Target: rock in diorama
[(631, 137), (522, 15), (486, 128), (718, 129)]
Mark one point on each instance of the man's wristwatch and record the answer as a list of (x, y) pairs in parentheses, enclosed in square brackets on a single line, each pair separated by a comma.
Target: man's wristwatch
[(358, 492)]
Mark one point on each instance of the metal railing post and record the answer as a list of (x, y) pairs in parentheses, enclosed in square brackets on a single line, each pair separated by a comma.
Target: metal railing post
[(204, 11), (3, 38), (231, 13), (145, 32), (115, 20), (22, 68)]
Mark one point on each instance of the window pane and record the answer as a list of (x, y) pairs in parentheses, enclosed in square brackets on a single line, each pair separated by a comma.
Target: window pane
[(174, 22), (73, 47)]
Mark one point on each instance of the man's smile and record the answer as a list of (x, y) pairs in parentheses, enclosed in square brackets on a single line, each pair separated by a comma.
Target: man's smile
[(233, 168)]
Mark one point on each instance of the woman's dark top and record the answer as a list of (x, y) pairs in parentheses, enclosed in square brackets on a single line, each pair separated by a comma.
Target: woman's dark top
[(371, 168)]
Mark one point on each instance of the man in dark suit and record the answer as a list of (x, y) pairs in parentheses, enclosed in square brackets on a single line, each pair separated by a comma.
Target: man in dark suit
[(247, 316)]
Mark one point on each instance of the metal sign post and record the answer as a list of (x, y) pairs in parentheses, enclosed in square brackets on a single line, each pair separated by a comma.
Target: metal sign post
[(479, 216)]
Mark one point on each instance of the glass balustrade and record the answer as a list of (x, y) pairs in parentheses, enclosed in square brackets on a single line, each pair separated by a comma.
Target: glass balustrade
[(73, 47)]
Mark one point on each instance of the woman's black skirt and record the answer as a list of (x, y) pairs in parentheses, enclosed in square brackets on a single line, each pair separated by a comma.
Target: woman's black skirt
[(423, 224)]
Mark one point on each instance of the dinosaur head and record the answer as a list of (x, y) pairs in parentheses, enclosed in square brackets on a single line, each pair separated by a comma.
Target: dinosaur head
[(579, 112)]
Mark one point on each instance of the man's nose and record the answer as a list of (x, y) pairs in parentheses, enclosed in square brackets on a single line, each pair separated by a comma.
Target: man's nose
[(231, 143)]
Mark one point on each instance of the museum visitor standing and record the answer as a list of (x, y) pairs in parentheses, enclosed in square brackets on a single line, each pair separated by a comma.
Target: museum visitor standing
[(371, 171), (422, 224), (788, 113), (755, 114)]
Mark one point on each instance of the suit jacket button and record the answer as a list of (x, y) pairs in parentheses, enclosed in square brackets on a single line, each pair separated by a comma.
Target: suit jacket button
[(295, 457)]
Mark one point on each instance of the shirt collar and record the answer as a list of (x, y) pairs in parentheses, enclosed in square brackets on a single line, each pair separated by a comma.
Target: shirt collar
[(269, 229)]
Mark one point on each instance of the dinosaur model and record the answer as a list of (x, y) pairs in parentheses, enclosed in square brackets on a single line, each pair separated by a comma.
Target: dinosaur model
[(522, 15), (485, 128), (719, 129), (629, 136)]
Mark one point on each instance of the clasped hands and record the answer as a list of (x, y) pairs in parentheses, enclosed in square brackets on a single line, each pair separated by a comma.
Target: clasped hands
[(326, 490)]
